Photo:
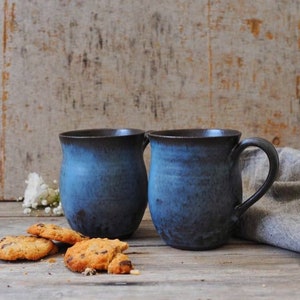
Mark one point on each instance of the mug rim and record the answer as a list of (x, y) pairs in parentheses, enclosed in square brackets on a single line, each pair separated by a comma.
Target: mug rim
[(194, 133), (101, 133)]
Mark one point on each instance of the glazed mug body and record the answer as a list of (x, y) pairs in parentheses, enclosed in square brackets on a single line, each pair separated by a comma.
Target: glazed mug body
[(195, 184), (103, 181)]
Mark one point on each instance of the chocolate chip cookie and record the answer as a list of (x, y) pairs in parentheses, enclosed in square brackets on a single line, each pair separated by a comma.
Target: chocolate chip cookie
[(97, 253), (56, 233), (25, 248), (121, 264)]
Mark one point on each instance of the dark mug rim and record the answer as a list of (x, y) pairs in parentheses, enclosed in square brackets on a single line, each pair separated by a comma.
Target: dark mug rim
[(101, 133), (195, 133)]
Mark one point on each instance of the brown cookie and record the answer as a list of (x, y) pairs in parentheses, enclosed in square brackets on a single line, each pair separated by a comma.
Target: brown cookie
[(56, 233), (121, 264), (116, 243), (95, 253), (25, 247)]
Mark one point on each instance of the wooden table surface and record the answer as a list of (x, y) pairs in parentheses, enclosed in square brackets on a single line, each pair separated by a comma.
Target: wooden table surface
[(238, 270)]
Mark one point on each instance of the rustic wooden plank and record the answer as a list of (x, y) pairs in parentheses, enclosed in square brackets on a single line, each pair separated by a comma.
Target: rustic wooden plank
[(15, 209), (239, 270), (11, 209)]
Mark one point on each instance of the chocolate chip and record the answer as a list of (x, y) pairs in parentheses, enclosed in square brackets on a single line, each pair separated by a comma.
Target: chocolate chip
[(6, 245), (69, 259), (125, 263)]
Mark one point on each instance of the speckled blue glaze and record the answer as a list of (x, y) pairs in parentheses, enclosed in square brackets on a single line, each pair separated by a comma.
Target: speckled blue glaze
[(103, 181), (195, 187)]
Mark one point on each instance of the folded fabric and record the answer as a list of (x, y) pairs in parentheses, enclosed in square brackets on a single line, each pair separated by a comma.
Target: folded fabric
[(275, 218)]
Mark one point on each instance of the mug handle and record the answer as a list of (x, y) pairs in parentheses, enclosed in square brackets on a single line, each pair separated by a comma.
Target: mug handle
[(146, 139), (272, 154)]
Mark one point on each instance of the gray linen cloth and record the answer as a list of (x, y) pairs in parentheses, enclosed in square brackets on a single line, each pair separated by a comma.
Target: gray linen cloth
[(275, 218)]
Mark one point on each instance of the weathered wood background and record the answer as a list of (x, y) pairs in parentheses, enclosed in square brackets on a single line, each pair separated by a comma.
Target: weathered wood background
[(145, 64)]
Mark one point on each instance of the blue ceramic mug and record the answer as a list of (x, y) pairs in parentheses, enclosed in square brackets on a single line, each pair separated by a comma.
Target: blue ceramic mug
[(195, 185), (103, 181)]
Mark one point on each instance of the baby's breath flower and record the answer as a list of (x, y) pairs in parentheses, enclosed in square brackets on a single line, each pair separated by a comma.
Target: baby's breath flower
[(47, 209), (39, 194), (27, 211), (44, 202), (34, 205), (58, 211)]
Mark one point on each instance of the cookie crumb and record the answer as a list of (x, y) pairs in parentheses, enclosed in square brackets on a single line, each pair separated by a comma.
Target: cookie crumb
[(135, 272), (89, 272)]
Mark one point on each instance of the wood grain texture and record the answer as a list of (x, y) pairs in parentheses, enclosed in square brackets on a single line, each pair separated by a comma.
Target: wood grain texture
[(146, 64), (239, 270)]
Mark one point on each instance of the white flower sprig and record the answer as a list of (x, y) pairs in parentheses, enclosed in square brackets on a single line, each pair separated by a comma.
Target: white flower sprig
[(39, 195)]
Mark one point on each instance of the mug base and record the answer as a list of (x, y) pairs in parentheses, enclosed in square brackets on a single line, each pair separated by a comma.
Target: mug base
[(198, 247)]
